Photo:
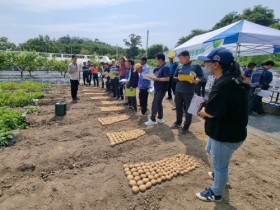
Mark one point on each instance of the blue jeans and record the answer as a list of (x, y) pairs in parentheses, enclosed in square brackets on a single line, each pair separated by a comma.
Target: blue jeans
[(221, 153)]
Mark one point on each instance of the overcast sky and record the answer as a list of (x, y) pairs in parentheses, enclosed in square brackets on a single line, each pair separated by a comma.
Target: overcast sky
[(111, 21)]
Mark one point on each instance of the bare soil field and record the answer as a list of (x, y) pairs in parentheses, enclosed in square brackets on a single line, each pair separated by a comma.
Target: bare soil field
[(68, 163)]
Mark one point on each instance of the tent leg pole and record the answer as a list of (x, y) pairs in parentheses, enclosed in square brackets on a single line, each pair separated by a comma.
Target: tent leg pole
[(237, 50)]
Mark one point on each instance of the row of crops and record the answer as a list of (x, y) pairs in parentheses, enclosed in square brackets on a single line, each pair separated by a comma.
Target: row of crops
[(12, 96)]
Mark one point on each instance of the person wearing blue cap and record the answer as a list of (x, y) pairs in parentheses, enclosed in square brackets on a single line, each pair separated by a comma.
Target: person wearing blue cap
[(226, 117)]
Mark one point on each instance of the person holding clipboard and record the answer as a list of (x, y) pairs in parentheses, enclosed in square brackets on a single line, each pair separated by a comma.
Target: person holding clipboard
[(226, 117)]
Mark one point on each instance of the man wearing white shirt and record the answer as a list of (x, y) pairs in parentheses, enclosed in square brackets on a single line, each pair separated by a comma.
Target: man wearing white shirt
[(73, 70)]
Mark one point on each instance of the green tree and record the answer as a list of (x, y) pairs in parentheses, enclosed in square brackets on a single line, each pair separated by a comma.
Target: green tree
[(132, 44), (61, 66), (154, 49), (40, 44), (6, 45), (193, 33), (3, 59), (23, 61), (165, 48), (227, 19), (260, 15)]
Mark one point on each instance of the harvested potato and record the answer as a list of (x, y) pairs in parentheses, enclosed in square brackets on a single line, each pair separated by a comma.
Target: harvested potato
[(154, 182), (142, 188), (137, 178), (135, 189), (148, 185), (132, 183), (140, 182), (128, 173), (129, 177), (145, 180)]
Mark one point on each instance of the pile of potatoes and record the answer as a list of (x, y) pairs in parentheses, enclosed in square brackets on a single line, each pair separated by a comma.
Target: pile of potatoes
[(123, 136), (112, 108), (111, 120), (143, 176), (111, 102), (99, 97)]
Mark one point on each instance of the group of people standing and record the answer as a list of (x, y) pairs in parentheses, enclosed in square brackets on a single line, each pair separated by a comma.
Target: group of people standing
[(225, 112), (259, 79), (90, 72)]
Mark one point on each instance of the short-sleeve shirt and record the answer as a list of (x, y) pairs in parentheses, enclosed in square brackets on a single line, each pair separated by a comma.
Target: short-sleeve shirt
[(74, 76), (161, 72), (186, 69), (228, 103)]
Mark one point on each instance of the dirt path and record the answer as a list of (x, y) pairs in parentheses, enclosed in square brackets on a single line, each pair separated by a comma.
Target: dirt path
[(67, 163)]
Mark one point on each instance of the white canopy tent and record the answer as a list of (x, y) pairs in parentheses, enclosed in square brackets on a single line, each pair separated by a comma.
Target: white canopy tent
[(243, 38)]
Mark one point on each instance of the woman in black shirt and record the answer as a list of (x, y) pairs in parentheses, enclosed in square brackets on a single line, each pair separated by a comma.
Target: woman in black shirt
[(225, 117)]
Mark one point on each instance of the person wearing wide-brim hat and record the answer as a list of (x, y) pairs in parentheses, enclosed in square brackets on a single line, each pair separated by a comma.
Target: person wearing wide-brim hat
[(225, 117)]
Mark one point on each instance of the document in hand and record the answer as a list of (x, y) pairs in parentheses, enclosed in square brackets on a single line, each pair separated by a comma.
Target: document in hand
[(148, 76), (196, 104), (264, 93), (130, 92)]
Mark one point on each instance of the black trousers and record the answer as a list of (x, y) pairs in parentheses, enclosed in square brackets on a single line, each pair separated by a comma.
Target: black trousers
[(95, 80), (143, 98), (157, 105), (255, 102), (183, 101), (200, 89), (132, 102), (171, 87), (85, 77), (89, 78), (103, 83), (108, 86), (116, 87), (74, 88)]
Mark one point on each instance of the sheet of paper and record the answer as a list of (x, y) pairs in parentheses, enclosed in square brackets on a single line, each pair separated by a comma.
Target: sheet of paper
[(277, 84), (195, 104), (148, 76), (264, 93)]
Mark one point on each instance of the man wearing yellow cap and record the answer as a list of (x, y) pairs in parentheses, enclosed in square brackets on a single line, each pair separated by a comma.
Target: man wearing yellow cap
[(172, 67)]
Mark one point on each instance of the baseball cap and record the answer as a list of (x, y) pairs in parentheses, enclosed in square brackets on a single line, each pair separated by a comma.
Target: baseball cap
[(171, 54), (113, 60), (184, 53), (137, 66), (221, 55)]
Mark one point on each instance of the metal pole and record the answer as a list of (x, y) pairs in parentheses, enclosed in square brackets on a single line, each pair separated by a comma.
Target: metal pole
[(147, 44), (236, 50)]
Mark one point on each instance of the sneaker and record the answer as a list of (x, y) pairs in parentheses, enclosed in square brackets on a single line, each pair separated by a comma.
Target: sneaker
[(150, 122), (77, 98), (160, 120), (209, 196), (175, 126), (211, 174), (184, 130)]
